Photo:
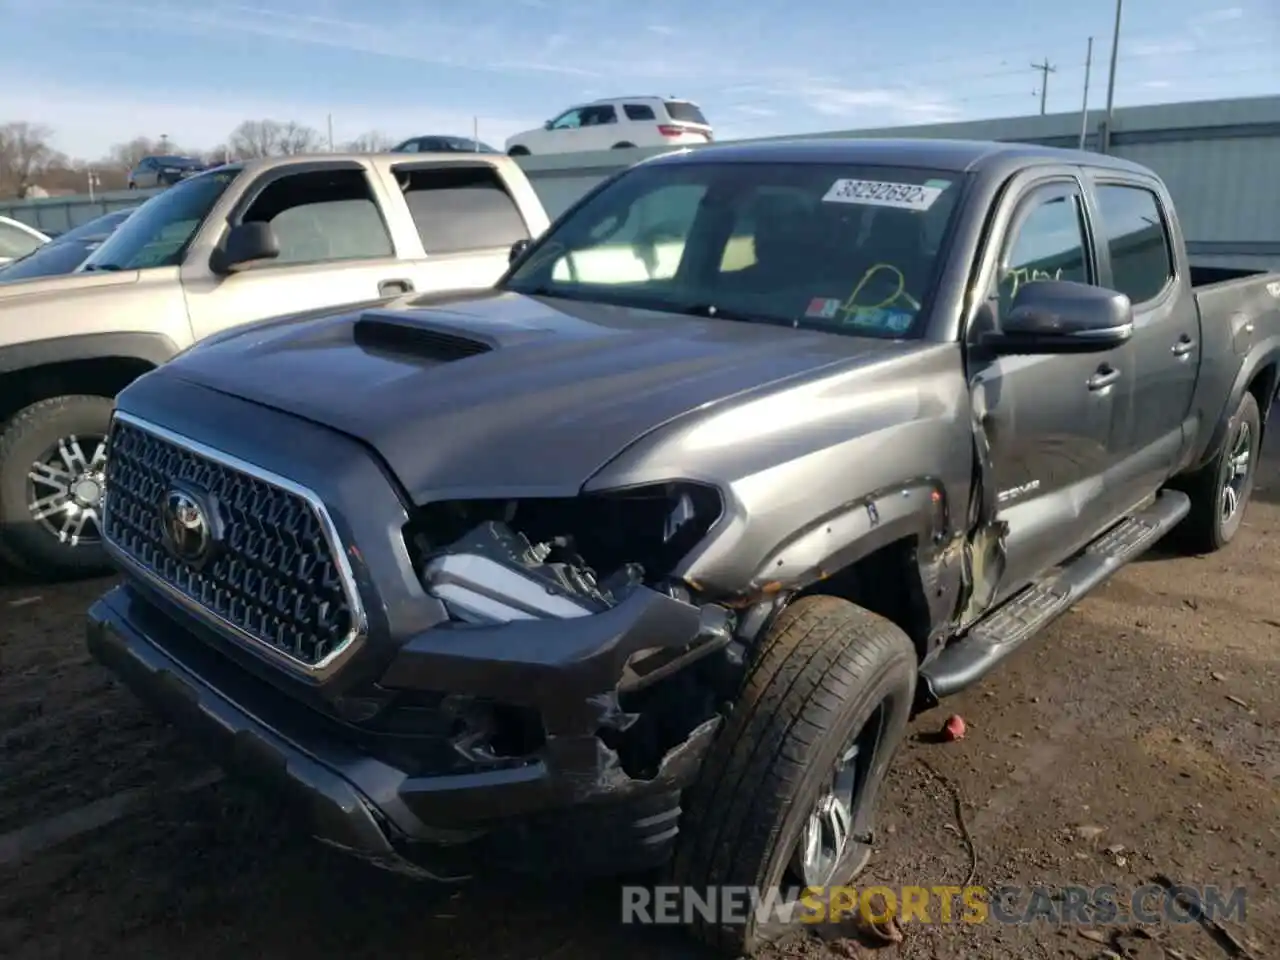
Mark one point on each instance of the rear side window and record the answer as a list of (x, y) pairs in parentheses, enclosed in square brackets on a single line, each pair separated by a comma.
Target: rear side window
[(682, 111), (461, 208), (1135, 234), (638, 111)]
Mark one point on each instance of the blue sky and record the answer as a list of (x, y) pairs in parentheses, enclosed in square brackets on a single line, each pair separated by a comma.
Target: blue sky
[(99, 72)]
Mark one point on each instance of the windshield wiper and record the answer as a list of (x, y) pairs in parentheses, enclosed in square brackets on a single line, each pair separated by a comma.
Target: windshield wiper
[(714, 311)]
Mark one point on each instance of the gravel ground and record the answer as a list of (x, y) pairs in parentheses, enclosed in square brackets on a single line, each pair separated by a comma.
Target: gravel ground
[(1139, 736)]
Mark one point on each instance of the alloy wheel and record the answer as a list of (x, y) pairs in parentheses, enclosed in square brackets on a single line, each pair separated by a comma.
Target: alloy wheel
[(1236, 480), (65, 487), (828, 832)]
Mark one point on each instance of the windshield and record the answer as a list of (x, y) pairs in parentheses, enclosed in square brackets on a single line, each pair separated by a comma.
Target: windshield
[(66, 252), (158, 232), (849, 249)]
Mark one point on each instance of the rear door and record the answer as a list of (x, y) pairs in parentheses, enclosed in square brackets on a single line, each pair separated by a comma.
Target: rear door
[(335, 249), (466, 220), (1054, 425), (1135, 252)]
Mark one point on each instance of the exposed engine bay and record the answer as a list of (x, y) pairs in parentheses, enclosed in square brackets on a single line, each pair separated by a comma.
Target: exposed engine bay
[(493, 562)]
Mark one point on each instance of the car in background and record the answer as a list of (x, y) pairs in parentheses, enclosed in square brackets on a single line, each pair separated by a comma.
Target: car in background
[(163, 171), (442, 144), (66, 252), (617, 123), (17, 240)]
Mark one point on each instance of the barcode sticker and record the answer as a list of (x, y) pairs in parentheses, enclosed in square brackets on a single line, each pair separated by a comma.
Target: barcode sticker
[(876, 193)]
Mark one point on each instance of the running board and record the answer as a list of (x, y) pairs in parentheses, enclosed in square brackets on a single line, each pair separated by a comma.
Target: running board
[(970, 657)]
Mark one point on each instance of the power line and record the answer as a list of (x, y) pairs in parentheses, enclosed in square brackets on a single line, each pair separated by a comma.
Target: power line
[(1045, 69)]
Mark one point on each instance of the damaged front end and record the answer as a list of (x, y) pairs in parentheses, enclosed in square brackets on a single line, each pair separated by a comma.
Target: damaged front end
[(564, 613)]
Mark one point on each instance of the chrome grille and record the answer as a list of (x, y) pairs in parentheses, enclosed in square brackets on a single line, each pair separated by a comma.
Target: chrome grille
[(276, 577)]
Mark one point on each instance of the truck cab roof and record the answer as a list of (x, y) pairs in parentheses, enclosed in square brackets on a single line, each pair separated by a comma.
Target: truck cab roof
[(960, 156)]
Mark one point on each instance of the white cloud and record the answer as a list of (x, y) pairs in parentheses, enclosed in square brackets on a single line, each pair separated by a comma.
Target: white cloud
[(1160, 48), (86, 121), (1157, 84), (888, 105), (751, 110)]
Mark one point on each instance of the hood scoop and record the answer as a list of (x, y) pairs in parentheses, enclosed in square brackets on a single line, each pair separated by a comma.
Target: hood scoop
[(420, 340)]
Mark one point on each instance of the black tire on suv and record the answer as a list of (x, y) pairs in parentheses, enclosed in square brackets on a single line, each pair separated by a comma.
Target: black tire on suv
[(822, 713), (51, 460), (1220, 490)]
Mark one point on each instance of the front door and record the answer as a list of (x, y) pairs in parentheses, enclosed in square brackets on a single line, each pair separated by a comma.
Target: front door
[(335, 249), (1135, 259), (1053, 424)]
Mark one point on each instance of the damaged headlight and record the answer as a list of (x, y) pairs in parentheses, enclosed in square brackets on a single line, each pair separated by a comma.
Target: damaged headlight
[(498, 561)]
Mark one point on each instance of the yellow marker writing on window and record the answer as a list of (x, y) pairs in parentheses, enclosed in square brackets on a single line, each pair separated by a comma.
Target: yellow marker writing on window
[(851, 305)]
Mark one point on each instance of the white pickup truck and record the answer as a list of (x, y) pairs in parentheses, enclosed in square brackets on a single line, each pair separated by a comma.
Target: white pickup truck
[(237, 244)]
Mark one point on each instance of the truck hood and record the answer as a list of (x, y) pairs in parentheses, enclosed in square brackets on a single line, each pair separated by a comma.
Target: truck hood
[(46, 288), (500, 395)]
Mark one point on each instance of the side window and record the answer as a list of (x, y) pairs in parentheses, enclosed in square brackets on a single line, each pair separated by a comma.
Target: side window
[(16, 243), (1135, 234), (461, 208), (638, 111), (569, 120), (1049, 245), (322, 217), (413, 146)]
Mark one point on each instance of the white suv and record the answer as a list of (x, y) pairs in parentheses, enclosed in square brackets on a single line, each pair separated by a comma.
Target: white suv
[(616, 124)]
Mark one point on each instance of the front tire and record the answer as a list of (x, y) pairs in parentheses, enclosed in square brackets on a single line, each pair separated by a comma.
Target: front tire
[(518, 152), (52, 456), (825, 705), (1221, 489)]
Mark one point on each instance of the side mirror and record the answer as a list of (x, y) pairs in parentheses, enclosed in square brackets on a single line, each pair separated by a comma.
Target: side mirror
[(547, 124), (1062, 316), (247, 244), (517, 250)]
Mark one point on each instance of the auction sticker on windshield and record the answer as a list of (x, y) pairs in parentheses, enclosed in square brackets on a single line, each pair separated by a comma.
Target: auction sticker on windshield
[(879, 193)]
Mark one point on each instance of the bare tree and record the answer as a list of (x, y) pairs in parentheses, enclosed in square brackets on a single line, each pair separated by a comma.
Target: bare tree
[(298, 138), (126, 156), (372, 142), (254, 138), (270, 138), (24, 153)]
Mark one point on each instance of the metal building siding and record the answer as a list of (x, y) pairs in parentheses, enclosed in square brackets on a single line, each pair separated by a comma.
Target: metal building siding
[(1225, 190)]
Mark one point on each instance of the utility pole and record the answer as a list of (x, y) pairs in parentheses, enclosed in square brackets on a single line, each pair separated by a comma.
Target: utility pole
[(1111, 79), (329, 121), (1045, 69), (475, 133), (1084, 107)]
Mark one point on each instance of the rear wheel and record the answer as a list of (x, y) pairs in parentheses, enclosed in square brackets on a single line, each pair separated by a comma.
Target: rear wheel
[(518, 152), (1221, 489), (624, 146), (52, 462), (788, 793)]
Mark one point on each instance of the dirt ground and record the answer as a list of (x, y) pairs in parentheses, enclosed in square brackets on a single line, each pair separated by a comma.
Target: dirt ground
[(1139, 736)]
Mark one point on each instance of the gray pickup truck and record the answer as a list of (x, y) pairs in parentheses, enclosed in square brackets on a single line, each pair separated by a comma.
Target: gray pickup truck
[(220, 249), (646, 556)]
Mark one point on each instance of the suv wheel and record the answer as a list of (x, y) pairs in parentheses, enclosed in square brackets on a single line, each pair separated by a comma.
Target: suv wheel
[(518, 152), (787, 795), (1221, 489), (52, 460)]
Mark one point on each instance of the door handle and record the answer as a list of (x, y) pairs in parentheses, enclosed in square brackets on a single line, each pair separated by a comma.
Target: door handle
[(1105, 377), (1184, 346), (388, 288)]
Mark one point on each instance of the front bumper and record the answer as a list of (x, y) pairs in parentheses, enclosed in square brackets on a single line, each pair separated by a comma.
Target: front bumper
[(570, 806)]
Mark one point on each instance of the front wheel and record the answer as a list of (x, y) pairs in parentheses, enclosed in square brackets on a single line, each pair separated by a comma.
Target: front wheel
[(1221, 489), (787, 795), (52, 468), (518, 152)]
